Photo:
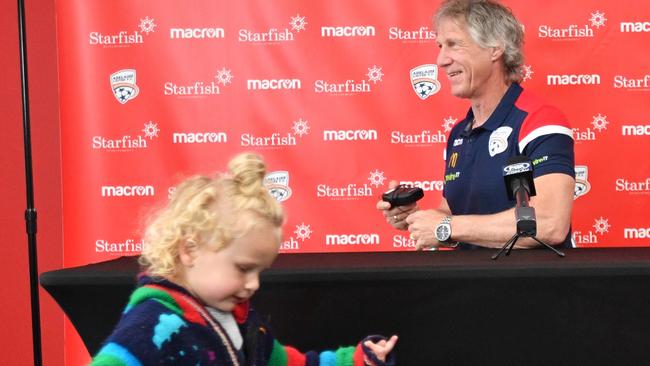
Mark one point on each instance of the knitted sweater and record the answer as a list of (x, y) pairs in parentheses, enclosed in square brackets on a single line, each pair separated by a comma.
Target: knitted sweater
[(164, 325)]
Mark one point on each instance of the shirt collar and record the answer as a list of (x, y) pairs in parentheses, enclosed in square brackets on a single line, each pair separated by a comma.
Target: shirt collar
[(500, 112)]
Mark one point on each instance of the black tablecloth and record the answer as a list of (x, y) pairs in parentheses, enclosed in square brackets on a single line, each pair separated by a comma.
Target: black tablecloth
[(449, 308)]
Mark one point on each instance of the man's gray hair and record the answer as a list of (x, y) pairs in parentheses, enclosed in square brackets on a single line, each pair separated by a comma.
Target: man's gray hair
[(490, 24)]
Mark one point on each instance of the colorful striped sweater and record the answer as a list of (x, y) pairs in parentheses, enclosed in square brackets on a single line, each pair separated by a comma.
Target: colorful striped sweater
[(164, 325)]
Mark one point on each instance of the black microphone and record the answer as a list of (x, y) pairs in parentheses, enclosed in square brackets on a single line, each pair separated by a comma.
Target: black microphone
[(518, 177)]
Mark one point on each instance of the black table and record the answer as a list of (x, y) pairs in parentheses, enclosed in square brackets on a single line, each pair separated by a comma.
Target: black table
[(449, 308)]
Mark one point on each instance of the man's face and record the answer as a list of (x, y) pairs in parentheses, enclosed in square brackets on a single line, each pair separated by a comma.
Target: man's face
[(467, 65)]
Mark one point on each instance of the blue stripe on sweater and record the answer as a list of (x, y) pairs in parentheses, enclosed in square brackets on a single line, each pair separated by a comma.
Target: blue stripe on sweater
[(328, 358), (311, 358), (120, 352)]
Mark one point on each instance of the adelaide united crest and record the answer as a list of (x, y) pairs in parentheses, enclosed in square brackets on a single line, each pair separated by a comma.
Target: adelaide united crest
[(424, 79), (124, 86), (582, 186), (277, 183)]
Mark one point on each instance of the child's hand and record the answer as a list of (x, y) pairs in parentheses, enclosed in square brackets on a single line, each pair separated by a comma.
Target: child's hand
[(381, 349)]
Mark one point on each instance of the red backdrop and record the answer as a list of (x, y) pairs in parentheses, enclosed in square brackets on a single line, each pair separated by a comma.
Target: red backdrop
[(152, 92)]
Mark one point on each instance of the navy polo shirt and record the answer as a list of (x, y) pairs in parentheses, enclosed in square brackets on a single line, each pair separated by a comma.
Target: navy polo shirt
[(521, 124)]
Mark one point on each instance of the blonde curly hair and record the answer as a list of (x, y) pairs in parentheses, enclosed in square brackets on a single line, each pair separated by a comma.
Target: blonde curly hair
[(211, 210)]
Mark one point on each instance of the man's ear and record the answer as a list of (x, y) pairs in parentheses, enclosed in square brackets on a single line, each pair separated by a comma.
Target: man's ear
[(496, 53), (187, 252)]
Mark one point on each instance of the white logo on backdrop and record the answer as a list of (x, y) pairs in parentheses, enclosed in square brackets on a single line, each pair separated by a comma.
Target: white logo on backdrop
[(597, 19), (273, 84), (602, 225), (430, 185), (277, 183), (350, 135), (211, 137), (573, 31), (636, 233), (197, 33), (127, 142), (424, 79), (274, 35), (634, 27), (151, 130), (147, 25), (303, 231), (348, 31), (573, 79), (224, 76), (376, 178), (582, 186), (635, 130), (352, 191), (421, 35), (123, 84), (374, 74), (528, 72), (350, 87), (123, 38), (126, 246), (448, 123), (600, 122), (127, 191), (636, 84), (200, 89), (352, 239), (298, 23), (300, 128), (423, 138), (638, 187)]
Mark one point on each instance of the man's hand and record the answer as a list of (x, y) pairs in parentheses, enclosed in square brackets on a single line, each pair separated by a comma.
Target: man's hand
[(422, 226), (397, 215)]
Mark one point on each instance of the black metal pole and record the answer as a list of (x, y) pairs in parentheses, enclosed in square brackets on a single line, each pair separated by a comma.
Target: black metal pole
[(30, 212)]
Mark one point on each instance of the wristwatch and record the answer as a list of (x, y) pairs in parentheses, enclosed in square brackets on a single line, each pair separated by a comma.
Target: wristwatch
[(443, 232)]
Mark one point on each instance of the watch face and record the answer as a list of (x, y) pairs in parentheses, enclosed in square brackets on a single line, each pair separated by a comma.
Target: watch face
[(443, 232)]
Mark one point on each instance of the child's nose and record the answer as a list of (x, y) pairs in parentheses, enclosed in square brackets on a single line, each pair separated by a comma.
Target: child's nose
[(253, 282)]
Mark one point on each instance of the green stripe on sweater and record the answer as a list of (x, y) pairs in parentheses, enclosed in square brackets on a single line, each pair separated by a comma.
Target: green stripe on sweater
[(147, 293), (278, 355), (107, 360), (344, 356)]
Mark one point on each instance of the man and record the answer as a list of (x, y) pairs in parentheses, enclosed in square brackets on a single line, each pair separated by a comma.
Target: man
[(480, 46)]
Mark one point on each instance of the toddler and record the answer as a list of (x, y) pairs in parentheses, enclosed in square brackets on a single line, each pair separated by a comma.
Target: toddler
[(202, 259)]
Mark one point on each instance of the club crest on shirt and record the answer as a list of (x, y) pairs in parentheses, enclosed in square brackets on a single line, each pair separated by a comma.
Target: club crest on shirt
[(498, 142), (424, 79), (124, 86)]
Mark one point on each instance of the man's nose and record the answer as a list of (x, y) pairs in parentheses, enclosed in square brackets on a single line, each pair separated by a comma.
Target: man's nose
[(443, 60)]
